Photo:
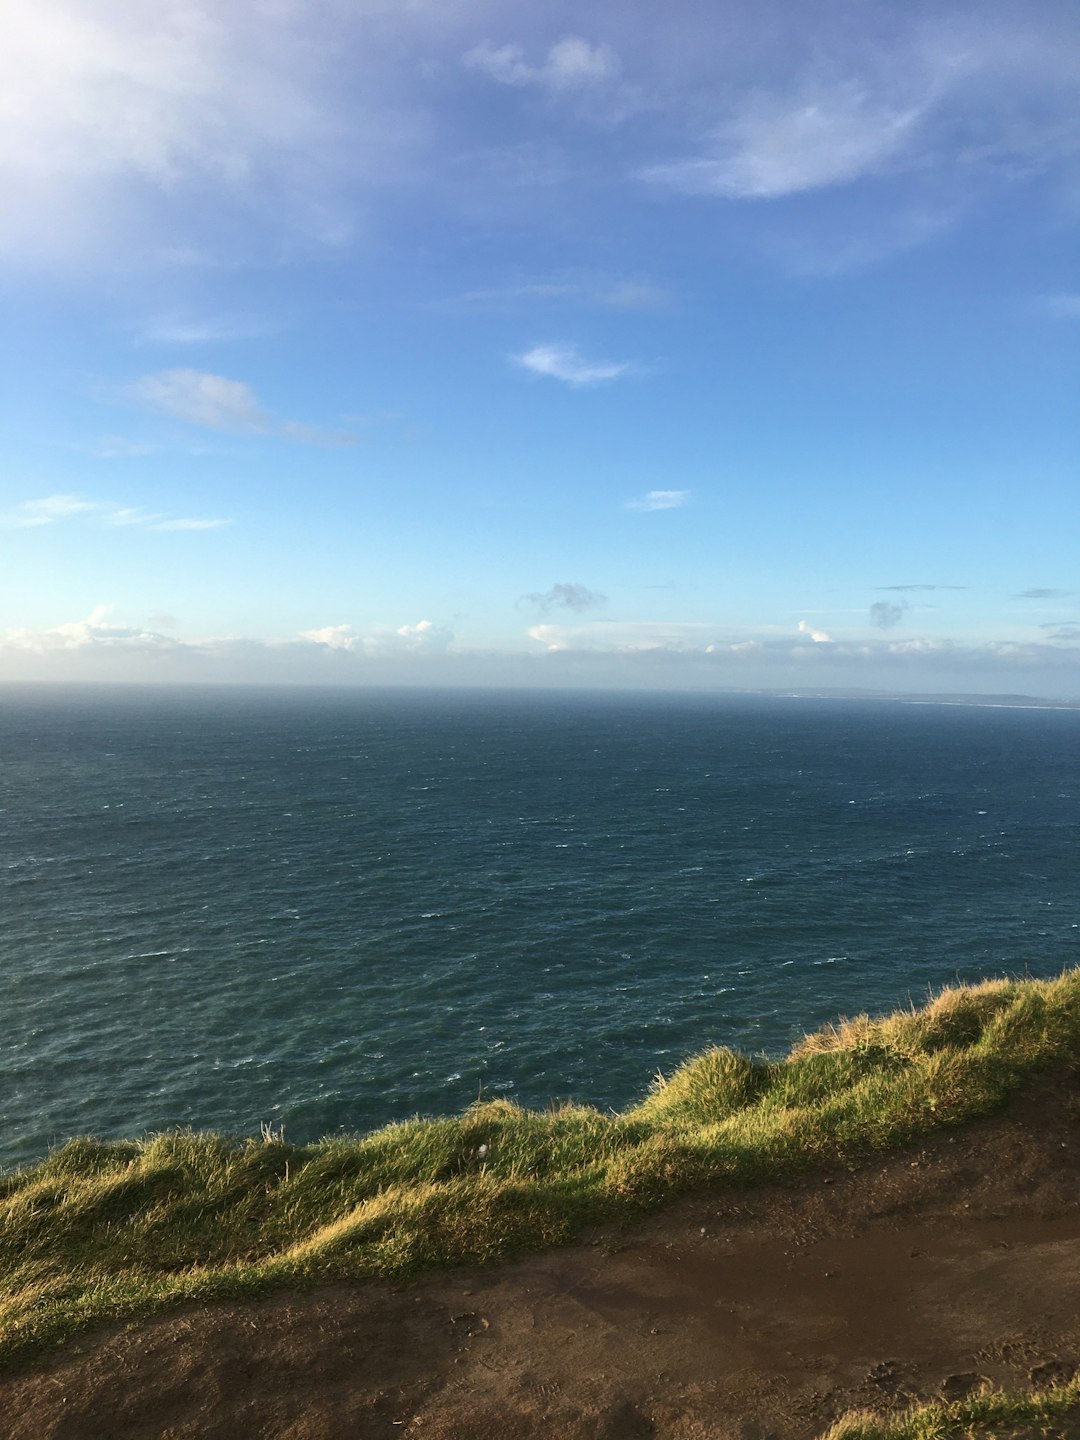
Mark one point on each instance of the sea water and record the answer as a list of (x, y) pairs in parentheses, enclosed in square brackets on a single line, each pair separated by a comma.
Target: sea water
[(329, 910)]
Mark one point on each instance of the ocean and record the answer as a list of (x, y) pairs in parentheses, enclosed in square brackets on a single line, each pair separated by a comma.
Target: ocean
[(329, 910)]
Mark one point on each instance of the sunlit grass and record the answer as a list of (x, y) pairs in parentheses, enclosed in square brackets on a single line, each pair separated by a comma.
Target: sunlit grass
[(993, 1414), (110, 1231)]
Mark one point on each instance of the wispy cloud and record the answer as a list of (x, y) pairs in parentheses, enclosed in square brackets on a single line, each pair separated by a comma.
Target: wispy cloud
[(204, 399), (218, 403), (566, 596), (152, 99), (564, 362), (632, 295), (1042, 592), (922, 587), (927, 116), (129, 515), (842, 242), (119, 447), (660, 500), (179, 329), (47, 511), (56, 508), (1062, 307), (185, 121), (595, 291), (570, 64), (190, 523), (780, 146)]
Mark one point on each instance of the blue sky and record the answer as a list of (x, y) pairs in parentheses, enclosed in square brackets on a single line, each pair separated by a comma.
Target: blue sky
[(550, 345)]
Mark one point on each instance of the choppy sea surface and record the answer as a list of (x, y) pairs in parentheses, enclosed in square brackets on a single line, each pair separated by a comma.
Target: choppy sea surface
[(332, 910)]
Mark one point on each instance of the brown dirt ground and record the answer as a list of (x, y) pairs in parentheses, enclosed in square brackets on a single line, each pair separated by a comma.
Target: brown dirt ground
[(757, 1315)]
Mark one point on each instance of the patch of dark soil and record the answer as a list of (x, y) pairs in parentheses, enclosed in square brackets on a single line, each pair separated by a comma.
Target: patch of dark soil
[(753, 1315)]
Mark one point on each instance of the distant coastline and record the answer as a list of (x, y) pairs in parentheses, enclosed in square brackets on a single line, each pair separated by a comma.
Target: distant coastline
[(989, 702), (612, 692)]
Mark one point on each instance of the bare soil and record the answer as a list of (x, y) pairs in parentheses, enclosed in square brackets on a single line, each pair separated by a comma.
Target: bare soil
[(757, 1315)]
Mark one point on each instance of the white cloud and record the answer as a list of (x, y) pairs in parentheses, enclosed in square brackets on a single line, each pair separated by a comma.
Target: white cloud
[(570, 64), (684, 653), (47, 511), (819, 637), (93, 632), (660, 500), (218, 403), (334, 637), (564, 362), (423, 638), (622, 635), (614, 654), (424, 635)]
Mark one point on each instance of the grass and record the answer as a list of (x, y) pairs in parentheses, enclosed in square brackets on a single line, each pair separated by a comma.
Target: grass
[(992, 1414), (110, 1231)]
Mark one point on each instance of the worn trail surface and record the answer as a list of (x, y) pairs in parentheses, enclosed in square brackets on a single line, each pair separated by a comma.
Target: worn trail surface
[(760, 1315)]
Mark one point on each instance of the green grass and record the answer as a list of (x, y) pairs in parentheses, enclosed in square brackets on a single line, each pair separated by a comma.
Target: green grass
[(988, 1416), (113, 1231)]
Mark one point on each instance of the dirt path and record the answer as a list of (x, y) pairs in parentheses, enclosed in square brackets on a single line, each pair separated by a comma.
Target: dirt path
[(760, 1316)]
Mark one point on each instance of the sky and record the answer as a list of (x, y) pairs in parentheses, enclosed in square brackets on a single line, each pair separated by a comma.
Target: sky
[(426, 342)]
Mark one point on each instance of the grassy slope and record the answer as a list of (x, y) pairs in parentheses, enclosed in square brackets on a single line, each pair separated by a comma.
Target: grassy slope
[(109, 1231)]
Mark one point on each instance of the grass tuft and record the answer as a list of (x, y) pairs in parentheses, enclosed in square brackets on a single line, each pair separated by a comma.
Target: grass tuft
[(991, 1415), (108, 1231)]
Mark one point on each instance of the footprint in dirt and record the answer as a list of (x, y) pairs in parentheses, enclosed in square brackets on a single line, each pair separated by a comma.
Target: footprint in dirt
[(625, 1422), (885, 1375), (1051, 1372), (960, 1386)]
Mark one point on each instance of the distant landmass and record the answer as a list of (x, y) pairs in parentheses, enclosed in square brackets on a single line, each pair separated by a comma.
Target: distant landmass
[(1022, 702)]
